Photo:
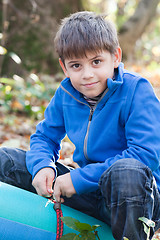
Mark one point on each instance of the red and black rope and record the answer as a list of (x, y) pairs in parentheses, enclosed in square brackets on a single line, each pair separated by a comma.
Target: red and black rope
[(57, 208)]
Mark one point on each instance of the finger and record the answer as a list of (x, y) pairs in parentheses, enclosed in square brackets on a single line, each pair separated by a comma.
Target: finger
[(38, 191), (49, 181), (57, 197), (57, 193), (42, 192), (62, 200), (40, 188), (68, 195)]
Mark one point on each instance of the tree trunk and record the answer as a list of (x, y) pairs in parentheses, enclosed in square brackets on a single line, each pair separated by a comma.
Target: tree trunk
[(135, 26), (32, 28)]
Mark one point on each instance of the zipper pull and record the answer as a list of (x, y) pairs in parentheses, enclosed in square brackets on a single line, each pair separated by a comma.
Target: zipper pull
[(91, 114)]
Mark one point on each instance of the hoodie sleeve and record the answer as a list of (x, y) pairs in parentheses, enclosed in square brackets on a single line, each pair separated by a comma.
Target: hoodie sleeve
[(142, 131), (45, 143)]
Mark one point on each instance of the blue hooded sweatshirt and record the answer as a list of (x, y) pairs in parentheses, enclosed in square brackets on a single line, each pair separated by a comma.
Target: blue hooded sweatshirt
[(125, 123)]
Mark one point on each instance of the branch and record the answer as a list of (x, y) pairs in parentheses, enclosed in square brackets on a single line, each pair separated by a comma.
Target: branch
[(134, 27)]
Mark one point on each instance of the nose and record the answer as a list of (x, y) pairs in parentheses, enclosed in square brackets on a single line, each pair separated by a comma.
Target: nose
[(88, 72)]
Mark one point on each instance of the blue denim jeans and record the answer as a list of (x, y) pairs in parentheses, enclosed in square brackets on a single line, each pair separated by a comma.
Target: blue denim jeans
[(127, 191)]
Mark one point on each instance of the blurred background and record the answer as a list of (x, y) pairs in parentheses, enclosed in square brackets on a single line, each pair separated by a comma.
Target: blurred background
[(29, 70)]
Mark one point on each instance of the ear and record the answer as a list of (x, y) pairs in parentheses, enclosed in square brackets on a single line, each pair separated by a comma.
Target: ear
[(117, 57), (63, 67)]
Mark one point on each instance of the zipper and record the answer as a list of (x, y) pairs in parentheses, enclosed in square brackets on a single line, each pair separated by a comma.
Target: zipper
[(90, 118), (91, 114), (86, 137), (92, 109)]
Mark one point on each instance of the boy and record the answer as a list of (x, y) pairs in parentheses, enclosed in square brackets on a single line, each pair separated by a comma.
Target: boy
[(113, 118)]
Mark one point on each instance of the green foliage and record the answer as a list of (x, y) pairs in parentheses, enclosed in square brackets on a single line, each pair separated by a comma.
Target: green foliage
[(33, 50), (86, 231), (147, 224), (29, 95), (24, 96)]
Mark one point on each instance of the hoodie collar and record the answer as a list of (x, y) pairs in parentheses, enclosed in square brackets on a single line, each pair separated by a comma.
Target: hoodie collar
[(113, 84)]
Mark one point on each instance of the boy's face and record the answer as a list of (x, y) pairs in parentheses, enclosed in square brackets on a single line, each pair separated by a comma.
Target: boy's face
[(89, 74)]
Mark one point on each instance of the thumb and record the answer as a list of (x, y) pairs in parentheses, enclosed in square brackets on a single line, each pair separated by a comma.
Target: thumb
[(49, 182), (57, 193)]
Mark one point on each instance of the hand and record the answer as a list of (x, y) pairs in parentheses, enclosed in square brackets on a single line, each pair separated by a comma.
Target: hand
[(63, 186), (43, 182)]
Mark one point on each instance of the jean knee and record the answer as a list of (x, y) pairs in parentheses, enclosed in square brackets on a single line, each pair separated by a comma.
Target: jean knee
[(5, 162), (126, 180), (12, 161)]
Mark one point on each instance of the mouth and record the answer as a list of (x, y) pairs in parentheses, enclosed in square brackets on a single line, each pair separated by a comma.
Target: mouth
[(89, 85)]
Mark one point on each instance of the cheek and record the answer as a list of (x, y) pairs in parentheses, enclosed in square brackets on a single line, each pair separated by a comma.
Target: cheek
[(110, 71), (105, 73), (74, 82)]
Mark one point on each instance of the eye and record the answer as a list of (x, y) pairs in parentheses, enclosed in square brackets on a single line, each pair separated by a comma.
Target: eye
[(76, 65), (96, 62)]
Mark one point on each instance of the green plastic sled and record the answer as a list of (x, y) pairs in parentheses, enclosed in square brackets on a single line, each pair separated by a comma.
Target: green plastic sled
[(27, 216)]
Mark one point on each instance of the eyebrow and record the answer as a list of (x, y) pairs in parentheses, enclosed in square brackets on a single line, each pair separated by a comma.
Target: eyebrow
[(75, 61), (97, 56)]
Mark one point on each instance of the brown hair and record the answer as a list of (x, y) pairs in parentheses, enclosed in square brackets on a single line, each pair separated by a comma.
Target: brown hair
[(85, 31)]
